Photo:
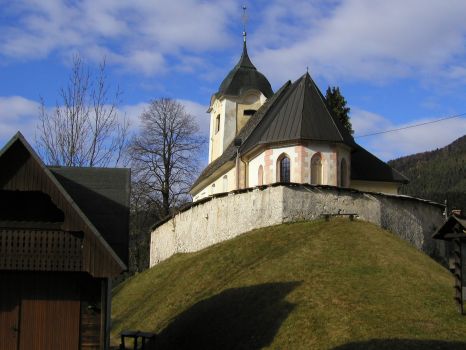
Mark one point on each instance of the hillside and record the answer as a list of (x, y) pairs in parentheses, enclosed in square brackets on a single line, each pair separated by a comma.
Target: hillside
[(437, 175), (310, 285)]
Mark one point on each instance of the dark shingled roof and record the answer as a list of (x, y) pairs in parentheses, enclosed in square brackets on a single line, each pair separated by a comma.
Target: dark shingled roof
[(244, 76), (298, 112), (103, 196), (365, 166)]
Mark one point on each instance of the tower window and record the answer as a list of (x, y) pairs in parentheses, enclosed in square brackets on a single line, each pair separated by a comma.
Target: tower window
[(249, 112), (217, 124)]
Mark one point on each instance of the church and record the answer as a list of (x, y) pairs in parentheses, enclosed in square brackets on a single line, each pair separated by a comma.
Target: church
[(260, 137)]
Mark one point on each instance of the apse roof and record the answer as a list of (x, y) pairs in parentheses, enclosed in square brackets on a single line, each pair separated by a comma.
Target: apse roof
[(244, 76), (300, 115)]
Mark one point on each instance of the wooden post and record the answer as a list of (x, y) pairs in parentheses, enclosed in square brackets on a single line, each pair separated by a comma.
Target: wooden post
[(458, 275)]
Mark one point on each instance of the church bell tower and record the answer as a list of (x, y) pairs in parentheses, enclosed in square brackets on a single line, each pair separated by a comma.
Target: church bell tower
[(239, 96)]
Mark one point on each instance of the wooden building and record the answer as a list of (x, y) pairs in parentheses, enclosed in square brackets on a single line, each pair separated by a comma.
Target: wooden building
[(63, 236), (454, 231)]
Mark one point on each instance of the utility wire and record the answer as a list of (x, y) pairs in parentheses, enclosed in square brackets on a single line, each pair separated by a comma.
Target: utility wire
[(413, 126)]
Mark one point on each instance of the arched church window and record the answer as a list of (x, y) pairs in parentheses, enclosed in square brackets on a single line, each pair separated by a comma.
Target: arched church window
[(343, 173), (217, 124), (225, 183), (283, 168), (316, 169), (260, 176)]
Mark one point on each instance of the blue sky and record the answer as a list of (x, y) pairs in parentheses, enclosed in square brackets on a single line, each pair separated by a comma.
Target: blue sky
[(398, 62)]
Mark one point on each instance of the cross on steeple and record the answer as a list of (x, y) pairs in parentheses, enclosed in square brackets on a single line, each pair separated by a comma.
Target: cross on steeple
[(245, 20)]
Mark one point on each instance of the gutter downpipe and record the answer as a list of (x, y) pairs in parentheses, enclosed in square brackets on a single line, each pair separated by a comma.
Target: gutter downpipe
[(238, 145)]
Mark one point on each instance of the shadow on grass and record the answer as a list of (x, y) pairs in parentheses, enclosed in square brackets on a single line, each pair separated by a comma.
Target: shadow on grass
[(403, 344), (238, 318)]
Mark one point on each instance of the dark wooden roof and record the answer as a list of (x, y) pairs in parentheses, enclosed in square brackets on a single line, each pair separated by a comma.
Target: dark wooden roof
[(454, 227), (103, 196), (244, 76), (23, 171)]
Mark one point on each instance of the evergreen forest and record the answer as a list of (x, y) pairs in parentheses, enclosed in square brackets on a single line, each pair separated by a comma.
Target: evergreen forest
[(437, 175)]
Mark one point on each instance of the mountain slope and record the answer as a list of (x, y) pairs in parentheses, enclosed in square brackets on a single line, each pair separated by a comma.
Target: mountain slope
[(310, 285), (437, 175)]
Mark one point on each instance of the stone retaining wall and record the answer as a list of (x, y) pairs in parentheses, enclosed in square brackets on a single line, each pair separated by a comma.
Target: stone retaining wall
[(224, 217)]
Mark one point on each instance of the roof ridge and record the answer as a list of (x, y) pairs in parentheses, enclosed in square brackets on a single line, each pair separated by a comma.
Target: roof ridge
[(302, 102), (287, 91), (324, 101)]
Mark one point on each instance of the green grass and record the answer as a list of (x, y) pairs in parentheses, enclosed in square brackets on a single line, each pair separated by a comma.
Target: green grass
[(310, 285)]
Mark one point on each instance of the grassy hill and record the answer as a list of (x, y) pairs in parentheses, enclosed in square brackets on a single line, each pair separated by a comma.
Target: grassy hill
[(310, 285), (437, 175)]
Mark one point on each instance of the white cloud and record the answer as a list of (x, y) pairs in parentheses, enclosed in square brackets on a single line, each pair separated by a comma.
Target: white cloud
[(404, 142), (132, 113), (21, 114), (17, 114), (372, 40), (138, 34), (200, 114)]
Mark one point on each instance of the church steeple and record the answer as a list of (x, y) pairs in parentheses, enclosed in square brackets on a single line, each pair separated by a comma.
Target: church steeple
[(244, 76), (245, 20), (243, 91), (245, 61)]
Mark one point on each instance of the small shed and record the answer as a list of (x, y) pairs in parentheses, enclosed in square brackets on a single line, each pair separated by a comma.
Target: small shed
[(454, 230), (63, 236)]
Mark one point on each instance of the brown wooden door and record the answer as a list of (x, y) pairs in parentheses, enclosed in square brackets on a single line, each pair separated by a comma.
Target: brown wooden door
[(9, 311), (49, 316)]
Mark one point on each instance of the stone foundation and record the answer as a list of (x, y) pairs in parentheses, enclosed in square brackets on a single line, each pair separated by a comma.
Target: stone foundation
[(223, 217)]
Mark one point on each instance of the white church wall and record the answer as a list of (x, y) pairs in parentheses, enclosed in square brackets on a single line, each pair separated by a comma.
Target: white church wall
[(224, 183), (253, 170), (375, 186), (223, 218), (300, 157)]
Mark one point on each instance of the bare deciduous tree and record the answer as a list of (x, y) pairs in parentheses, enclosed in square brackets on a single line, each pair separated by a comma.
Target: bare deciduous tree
[(84, 129), (164, 156)]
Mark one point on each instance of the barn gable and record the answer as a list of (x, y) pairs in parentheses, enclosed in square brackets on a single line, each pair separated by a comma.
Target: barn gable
[(24, 176)]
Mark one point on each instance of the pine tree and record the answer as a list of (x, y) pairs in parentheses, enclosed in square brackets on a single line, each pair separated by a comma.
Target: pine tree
[(336, 104)]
